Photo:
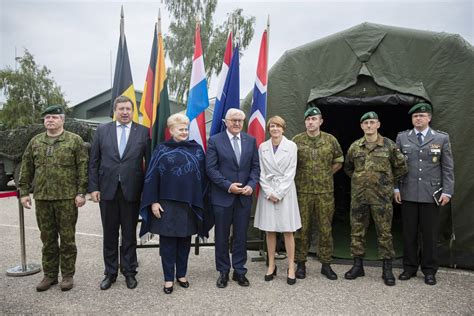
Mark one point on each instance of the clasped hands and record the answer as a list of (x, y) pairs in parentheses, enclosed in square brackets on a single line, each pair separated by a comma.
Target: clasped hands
[(235, 188)]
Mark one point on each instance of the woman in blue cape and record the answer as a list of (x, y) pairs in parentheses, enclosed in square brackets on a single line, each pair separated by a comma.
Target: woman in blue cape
[(173, 203)]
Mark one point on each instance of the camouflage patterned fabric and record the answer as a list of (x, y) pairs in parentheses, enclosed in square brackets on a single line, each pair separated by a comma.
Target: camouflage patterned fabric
[(315, 187), (57, 167), (57, 218), (316, 211), (373, 169), (360, 219), (59, 170), (316, 155)]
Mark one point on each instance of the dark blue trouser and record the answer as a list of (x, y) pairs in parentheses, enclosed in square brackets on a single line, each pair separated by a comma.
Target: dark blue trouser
[(174, 252), (238, 216)]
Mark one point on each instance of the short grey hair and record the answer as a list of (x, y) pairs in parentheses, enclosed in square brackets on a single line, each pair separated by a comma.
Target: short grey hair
[(233, 111), (177, 118)]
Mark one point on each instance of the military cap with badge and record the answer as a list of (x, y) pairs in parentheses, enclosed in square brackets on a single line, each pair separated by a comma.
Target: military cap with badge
[(312, 111), (53, 109)]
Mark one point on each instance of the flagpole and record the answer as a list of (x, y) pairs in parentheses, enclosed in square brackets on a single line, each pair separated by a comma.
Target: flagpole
[(266, 72), (122, 27)]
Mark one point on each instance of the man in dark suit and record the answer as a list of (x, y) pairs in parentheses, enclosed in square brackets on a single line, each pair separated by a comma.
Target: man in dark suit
[(430, 170), (116, 172), (233, 169)]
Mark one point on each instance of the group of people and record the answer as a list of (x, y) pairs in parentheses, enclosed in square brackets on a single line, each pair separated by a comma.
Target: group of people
[(185, 190)]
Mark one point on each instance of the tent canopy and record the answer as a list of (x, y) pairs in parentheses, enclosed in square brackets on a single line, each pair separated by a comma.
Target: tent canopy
[(372, 60)]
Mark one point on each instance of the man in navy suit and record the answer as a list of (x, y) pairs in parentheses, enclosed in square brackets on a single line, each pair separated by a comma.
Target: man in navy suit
[(116, 173), (233, 169)]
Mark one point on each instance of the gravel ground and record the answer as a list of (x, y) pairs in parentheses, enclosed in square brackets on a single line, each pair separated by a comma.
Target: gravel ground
[(315, 295)]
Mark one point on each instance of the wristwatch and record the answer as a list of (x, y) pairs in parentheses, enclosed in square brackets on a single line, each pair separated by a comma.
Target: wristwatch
[(81, 195)]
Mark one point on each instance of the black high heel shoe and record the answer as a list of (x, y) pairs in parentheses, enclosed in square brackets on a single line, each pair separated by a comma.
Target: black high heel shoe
[(168, 290), (289, 280), (184, 284), (269, 277)]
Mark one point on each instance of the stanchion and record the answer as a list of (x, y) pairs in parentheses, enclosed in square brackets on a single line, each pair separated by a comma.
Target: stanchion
[(24, 268)]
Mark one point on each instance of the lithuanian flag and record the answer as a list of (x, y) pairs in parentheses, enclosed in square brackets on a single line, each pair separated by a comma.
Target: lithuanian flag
[(154, 105), (123, 82)]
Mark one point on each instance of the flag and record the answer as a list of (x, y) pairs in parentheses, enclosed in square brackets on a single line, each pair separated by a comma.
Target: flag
[(230, 95), (258, 111), (154, 106), (198, 100), (123, 82)]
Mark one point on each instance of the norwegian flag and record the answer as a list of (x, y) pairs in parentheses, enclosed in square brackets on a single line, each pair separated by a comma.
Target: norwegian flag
[(198, 100), (256, 126)]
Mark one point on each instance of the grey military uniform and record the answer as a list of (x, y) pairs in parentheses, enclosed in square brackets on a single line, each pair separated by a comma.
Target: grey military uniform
[(430, 165)]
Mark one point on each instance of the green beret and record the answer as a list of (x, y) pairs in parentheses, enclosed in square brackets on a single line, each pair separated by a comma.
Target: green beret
[(53, 109), (369, 115), (421, 108), (312, 111)]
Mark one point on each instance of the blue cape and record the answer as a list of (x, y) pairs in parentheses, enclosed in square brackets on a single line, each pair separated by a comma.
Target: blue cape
[(177, 172)]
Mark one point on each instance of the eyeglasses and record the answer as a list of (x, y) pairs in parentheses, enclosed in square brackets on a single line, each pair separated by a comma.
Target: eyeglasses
[(234, 121)]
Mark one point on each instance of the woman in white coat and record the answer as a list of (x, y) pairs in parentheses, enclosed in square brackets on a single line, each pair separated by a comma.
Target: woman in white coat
[(277, 205)]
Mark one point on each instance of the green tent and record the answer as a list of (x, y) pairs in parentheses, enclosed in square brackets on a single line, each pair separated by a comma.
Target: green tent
[(387, 69)]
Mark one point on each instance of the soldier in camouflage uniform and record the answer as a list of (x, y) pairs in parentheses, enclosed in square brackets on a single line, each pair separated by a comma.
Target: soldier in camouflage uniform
[(55, 162), (319, 157), (374, 163)]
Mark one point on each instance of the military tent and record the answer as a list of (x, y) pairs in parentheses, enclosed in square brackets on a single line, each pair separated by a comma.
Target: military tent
[(387, 69)]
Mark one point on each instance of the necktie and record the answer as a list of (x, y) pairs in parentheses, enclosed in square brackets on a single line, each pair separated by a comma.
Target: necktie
[(235, 140), (123, 140), (420, 138)]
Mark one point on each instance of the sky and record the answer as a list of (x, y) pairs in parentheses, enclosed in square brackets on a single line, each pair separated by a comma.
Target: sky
[(77, 39)]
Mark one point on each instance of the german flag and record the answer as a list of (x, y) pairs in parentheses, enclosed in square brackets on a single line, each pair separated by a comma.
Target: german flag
[(123, 82), (154, 105)]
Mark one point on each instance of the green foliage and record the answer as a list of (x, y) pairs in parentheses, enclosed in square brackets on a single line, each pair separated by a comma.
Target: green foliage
[(28, 91), (179, 42)]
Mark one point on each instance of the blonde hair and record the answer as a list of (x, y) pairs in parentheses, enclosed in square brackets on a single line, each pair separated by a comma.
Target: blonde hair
[(277, 120), (177, 118)]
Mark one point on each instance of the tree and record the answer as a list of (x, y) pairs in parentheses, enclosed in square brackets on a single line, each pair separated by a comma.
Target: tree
[(179, 43), (28, 91)]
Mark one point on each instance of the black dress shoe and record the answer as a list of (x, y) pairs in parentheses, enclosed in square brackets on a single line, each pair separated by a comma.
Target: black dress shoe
[(300, 270), (107, 282), (131, 281), (168, 290), (184, 284), (269, 277), (290, 281), (406, 275), (222, 280), (328, 271), (240, 279), (430, 279)]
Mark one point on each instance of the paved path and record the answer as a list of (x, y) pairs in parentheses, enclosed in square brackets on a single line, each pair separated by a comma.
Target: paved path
[(314, 295)]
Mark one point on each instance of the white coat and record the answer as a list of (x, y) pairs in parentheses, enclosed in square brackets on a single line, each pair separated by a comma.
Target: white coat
[(277, 174)]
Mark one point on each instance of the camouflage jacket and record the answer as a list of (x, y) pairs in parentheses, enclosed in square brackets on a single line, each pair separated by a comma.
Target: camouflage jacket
[(57, 171), (316, 155), (373, 171)]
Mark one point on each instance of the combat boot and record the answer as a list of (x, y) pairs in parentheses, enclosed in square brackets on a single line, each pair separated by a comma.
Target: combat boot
[(46, 283), (387, 274), (356, 271), (67, 283), (328, 272), (300, 272)]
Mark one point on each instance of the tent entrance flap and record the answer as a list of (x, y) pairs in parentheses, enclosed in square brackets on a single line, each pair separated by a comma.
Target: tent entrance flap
[(341, 119)]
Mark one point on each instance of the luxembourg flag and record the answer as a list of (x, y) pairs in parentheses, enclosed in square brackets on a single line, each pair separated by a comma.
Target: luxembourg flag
[(256, 126), (198, 100), (218, 106)]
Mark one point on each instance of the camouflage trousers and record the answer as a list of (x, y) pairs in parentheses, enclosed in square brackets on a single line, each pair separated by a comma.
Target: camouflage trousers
[(57, 219), (360, 219), (316, 211)]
